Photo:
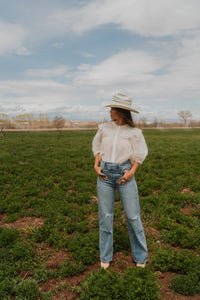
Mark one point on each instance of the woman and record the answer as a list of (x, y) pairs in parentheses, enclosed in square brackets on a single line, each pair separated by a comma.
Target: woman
[(119, 149)]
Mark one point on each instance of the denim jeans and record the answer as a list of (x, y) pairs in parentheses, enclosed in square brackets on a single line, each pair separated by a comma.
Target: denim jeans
[(128, 194)]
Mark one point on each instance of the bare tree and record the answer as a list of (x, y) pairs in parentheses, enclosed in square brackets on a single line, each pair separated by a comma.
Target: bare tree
[(185, 115), (24, 120), (155, 123), (59, 122), (4, 119), (143, 122), (3, 131), (43, 120)]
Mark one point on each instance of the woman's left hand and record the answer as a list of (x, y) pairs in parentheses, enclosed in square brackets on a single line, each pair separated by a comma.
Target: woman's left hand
[(127, 176)]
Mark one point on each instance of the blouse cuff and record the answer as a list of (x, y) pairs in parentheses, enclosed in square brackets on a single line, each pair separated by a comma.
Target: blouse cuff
[(96, 152), (139, 161)]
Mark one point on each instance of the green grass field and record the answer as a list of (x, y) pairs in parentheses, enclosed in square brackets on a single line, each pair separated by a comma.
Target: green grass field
[(49, 219)]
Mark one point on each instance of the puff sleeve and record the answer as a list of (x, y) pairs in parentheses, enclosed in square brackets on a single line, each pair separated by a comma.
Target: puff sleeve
[(139, 146), (96, 143)]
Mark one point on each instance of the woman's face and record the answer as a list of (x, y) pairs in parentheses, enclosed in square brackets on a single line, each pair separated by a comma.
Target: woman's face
[(114, 114)]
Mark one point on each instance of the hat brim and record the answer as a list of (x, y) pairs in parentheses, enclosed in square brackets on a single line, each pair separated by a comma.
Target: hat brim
[(123, 107)]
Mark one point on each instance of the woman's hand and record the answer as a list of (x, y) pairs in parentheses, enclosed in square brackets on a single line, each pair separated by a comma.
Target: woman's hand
[(129, 174), (126, 177), (98, 170)]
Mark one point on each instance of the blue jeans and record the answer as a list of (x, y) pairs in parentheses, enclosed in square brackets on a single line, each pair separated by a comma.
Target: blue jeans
[(128, 194)]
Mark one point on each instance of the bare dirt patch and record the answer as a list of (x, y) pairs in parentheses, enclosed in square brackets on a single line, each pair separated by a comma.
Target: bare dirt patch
[(165, 279), (57, 258), (26, 274), (187, 210), (52, 256), (151, 230), (156, 192), (22, 223), (2, 218), (120, 262), (187, 190), (62, 292)]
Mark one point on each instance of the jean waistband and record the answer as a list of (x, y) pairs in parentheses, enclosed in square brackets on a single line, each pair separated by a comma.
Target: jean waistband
[(104, 164)]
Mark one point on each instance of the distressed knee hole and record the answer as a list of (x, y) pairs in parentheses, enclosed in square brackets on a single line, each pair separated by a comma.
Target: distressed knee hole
[(133, 218), (108, 215)]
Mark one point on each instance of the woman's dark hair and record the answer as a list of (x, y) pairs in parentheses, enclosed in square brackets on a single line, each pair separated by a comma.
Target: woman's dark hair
[(126, 116)]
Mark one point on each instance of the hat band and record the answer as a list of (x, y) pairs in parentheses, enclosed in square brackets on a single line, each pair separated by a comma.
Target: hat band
[(117, 101)]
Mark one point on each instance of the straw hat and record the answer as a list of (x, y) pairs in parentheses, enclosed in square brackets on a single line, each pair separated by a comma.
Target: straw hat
[(122, 101)]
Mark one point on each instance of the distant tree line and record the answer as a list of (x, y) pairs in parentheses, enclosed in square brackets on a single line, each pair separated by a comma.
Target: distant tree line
[(42, 121), (24, 121), (185, 121)]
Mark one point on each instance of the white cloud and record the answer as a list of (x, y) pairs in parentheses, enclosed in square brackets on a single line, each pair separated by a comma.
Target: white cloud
[(57, 45), (148, 18), (12, 37), (122, 69), (187, 68), (38, 91), (71, 112), (160, 18), (88, 55), (146, 76), (134, 72), (181, 78), (155, 18), (45, 73), (84, 112)]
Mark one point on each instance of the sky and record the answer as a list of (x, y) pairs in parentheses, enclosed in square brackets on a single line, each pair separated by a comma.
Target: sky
[(69, 57)]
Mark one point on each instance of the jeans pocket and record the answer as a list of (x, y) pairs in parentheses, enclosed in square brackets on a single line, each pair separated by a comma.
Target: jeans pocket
[(126, 167)]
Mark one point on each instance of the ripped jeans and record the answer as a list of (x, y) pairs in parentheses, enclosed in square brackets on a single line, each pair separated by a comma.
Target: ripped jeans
[(128, 194)]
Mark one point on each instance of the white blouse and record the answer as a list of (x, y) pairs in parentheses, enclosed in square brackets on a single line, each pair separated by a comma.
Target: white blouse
[(117, 144)]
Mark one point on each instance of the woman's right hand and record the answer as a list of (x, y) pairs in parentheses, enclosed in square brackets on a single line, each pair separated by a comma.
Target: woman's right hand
[(98, 170)]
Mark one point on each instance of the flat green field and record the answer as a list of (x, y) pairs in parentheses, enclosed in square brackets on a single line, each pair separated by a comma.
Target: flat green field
[(49, 219)]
